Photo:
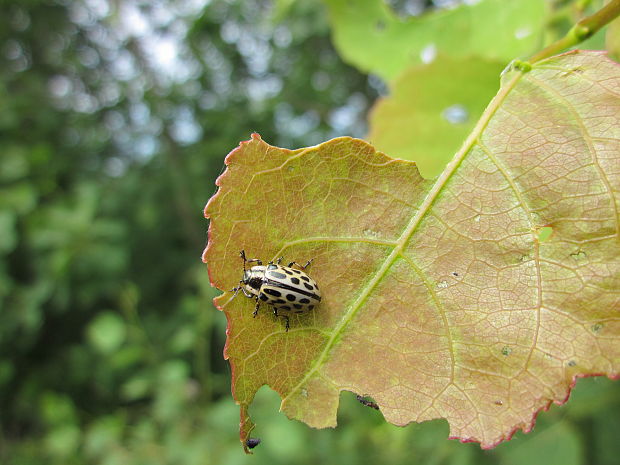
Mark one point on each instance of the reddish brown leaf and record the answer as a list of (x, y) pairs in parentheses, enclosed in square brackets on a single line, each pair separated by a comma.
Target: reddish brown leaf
[(439, 299)]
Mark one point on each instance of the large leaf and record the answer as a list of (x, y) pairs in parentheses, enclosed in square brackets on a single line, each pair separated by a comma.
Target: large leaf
[(371, 37), (439, 299)]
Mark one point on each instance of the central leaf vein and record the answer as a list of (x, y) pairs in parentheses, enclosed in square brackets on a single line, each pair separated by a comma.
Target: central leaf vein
[(408, 232)]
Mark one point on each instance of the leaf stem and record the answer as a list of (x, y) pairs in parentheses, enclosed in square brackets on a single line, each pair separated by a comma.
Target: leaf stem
[(581, 31)]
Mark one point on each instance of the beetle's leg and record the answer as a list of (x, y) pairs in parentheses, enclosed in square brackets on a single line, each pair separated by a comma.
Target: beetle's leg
[(302, 267), (241, 288), (275, 312), (251, 260), (256, 308)]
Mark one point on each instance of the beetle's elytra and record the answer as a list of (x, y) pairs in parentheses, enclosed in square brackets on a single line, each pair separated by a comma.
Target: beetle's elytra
[(286, 289)]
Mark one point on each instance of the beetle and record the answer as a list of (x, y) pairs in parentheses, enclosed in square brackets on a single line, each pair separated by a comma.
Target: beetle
[(286, 289)]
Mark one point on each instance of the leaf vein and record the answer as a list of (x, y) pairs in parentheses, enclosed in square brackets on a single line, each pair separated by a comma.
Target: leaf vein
[(588, 139)]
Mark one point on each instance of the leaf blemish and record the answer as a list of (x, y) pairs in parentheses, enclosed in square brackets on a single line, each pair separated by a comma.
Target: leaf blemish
[(597, 328), (571, 363), (544, 233), (506, 351), (576, 70), (371, 233), (442, 284), (578, 255)]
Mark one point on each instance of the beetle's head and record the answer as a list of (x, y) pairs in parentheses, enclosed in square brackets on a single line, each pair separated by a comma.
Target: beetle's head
[(253, 279)]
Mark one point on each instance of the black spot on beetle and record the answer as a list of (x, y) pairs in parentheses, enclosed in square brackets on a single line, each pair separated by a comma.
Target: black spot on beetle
[(308, 286), (304, 301), (272, 292), (264, 298), (286, 307), (299, 311), (305, 278), (288, 272), (279, 301), (297, 271), (277, 274), (290, 297), (298, 307), (295, 280), (310, 307)]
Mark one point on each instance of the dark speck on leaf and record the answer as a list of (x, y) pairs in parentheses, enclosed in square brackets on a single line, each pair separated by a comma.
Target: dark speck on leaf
[(251, 443)]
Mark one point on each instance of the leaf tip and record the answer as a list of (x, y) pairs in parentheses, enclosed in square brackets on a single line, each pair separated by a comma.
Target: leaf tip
[(245, 428)]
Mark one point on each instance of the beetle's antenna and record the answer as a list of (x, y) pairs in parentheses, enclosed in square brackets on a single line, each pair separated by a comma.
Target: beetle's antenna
[(242, 254)]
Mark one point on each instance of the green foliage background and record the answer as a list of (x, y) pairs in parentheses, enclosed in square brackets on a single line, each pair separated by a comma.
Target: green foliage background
[(114, 121)]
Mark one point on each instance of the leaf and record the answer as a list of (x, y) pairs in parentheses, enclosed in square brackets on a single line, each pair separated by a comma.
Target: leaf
[(372, 38), (439, 301), (430, 111), (612, 39)]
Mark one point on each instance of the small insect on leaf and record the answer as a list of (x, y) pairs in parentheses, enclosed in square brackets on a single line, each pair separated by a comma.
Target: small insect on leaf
[(367, 403), (285, 289), (251, 443)]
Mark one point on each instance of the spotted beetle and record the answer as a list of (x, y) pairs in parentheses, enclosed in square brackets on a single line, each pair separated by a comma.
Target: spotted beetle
[(286, 289)]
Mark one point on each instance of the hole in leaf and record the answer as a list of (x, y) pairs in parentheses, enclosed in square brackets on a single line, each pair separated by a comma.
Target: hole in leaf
[(523, 32), (544, 233), (455, 114), (428, 53)]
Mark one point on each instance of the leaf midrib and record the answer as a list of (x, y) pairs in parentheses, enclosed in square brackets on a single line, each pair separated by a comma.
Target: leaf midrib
[(430, 198)]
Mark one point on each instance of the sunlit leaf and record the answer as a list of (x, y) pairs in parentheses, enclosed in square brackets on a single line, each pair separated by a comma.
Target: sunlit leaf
[(439, 299), (431, 109), (370, 36), (612, 40)]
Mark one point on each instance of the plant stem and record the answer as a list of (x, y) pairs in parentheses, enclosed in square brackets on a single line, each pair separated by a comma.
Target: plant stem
[(581, 31)]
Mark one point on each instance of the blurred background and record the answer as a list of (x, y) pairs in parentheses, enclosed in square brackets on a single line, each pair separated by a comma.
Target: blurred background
[(115, 117)]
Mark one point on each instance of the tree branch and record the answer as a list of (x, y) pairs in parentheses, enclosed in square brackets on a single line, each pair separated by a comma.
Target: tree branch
[(581, 31)]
